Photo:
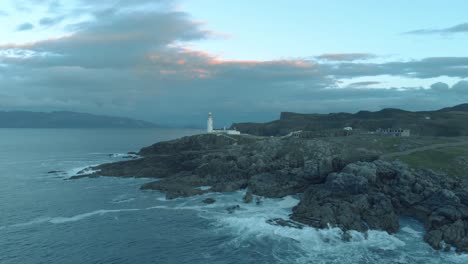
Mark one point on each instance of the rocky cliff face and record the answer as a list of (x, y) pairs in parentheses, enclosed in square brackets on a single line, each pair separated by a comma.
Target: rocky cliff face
[(342, 187), (270, 167), (373, 195)]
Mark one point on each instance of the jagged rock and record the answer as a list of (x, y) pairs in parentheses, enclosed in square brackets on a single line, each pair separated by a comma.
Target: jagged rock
[(248, 197), (434, 238), (348, 201), (258, 200), (232, 209), (347, 184), (453, 233), (76, 177), (229, 186), (55, 172), (363, 169), (284, 223), (276, 185), (342, 186), (209, 200), (346, 236)]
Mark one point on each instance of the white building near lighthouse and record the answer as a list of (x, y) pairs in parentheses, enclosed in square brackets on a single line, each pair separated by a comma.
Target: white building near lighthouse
[(210, 129)]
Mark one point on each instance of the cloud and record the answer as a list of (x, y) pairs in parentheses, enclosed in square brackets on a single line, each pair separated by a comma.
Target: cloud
[(54, 6), (346, 56), (115, 40), (51, 21), (134, 60), (461, 87), (424, 68), (440, 86), (24, 27), (460, 28), (362, 84)]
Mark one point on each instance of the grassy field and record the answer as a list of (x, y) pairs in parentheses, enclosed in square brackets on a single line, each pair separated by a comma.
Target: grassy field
[(392, 144), (450, 160)]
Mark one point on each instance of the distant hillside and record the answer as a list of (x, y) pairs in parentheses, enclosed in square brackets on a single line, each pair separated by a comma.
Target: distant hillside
[(24, 119), (451, 121)]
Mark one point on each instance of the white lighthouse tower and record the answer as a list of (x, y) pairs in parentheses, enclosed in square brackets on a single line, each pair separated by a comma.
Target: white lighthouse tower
[(209, 127)]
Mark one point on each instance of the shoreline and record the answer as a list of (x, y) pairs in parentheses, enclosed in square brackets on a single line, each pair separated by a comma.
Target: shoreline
[(341, 187)]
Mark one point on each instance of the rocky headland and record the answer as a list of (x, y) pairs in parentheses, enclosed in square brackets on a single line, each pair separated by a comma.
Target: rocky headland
[(339, 184), (447, 122)]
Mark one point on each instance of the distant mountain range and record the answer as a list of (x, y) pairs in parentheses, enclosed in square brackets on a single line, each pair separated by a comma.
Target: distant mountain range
[(64, 119), (451, 121)]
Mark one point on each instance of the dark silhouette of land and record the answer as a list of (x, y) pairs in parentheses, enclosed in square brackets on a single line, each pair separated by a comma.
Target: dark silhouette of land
[(63, 119), (449, 122)]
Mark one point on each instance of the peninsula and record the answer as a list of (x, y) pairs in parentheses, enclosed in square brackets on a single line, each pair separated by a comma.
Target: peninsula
[(66, 119), (353, 181)]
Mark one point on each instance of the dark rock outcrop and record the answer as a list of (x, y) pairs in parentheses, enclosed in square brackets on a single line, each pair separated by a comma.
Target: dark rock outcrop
[(55, 172), (248, 197), (232, 209), (342, 186), (373, 196), (270, 167), (209, 200)]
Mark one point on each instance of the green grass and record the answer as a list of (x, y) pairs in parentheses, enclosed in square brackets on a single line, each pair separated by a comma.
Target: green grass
[(447, 160), (391, 144), (450, 160)]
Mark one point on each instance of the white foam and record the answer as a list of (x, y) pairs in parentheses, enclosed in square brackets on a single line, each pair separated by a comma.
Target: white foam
[(79, 217), (125, 156), (86, 170), (61, 220), (457, 258), (307, 244), (124, 198), (250, 223), (411, 231), (39, 220)]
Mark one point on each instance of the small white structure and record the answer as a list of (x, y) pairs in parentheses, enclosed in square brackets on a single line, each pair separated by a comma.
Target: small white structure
[(210, 129), (295, 134), (394, 132), (348, 128), (209, 126)]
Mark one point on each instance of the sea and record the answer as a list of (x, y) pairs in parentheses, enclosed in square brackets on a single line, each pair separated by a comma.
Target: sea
[(45, 218)]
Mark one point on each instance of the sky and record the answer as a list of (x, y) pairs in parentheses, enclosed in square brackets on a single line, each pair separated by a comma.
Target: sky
[(173, 61)]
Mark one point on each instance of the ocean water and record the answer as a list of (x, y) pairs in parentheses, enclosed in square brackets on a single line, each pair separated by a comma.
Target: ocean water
[(47, 219)]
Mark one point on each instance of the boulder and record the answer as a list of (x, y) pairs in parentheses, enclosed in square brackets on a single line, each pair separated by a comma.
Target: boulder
[(232, 209), (209, 200), (276, 184), (248, 197), (347, 184), (340, 185)]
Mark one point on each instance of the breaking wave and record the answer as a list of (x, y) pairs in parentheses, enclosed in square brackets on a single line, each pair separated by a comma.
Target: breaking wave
[(247, 226)]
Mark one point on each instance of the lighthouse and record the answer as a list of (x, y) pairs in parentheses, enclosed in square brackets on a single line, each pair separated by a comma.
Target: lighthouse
[(211, 130), (209, 127)]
